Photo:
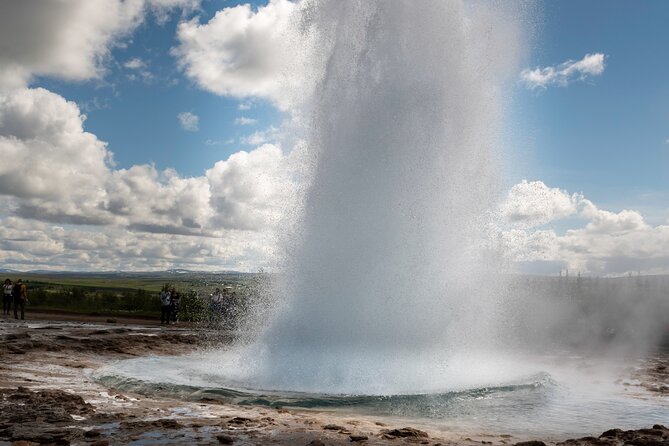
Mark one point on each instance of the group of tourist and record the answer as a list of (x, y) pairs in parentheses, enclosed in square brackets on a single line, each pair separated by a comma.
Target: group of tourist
[(16, 293), (219, 306), (169, 305)]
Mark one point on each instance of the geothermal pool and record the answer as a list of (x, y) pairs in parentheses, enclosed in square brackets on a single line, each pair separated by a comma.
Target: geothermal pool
[(576, 397)]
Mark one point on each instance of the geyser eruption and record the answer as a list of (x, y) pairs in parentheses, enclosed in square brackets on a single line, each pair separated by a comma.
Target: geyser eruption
[(387, 279)]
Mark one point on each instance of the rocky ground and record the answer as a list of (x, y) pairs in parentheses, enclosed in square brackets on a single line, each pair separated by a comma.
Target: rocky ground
[(47, 396)]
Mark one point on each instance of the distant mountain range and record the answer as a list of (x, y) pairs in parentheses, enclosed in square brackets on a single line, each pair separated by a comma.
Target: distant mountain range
[(169, 272), (8, 271)]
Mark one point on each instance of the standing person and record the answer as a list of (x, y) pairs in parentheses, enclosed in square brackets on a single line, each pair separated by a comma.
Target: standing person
[(20, 298), (174, 304), (7, 289), (165, 307), (216, 306), (216, 301)]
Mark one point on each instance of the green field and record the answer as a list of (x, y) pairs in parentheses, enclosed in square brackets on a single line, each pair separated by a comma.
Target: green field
[(134, 293)]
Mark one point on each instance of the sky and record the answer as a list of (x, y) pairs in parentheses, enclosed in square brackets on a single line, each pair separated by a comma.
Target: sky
[(155, 134)]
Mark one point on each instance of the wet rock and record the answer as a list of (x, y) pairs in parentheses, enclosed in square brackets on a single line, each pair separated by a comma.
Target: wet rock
[(356, 438), (333, 427), (658, 435), (316, 443), (16, 349), (653, 432), (589, 441), (92, 433), (240, 420), (645, 441), (225, 439), (170, 424), (408, 432), (100, 443), (15, 336), (612, 433), (39, 433), (164, 423), (530, 443), (49, 405), (111, 321)]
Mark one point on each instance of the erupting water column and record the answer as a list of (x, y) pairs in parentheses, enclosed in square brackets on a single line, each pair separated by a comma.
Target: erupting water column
[(389, 283)]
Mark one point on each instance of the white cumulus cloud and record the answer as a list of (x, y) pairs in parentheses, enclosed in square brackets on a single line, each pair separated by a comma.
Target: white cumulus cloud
[(64, 39), (189, 121), (564, 73), (64, 203), (242, 120), (242, 52), (605, 243), (134, 64), (261, 136), (532, 203), (49, 158), (68, 39), (250, 190)]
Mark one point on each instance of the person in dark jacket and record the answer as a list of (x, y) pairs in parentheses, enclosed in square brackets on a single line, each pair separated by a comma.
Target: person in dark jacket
[(174, 304), (20, 298)]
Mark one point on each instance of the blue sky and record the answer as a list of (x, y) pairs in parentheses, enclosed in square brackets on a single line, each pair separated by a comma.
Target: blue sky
[(586, 164), (607, 136)]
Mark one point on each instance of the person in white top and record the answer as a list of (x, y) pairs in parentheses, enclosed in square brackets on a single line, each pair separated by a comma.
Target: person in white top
[(7, 296)]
